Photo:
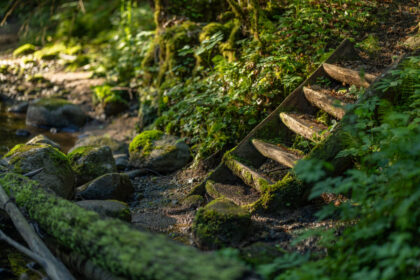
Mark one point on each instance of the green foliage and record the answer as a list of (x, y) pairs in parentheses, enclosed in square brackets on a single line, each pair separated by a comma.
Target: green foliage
[(104, 94), (24, 50), (382, 213)]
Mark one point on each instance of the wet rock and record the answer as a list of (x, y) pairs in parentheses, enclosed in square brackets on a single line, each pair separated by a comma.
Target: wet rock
[(90, 162), (22, 133), (220, 223), (157, 151), (107, 208), (109, 186), (55, 112), (42, 139), (20, 108), (117, 147), (56, 175), (121, 161)]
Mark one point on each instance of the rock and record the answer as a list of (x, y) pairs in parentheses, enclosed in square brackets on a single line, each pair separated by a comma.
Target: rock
[(22, 133), (90, 162), (160, 152), (109, 186), (107, 208), (121, 161), (220, 223), (117, 147), (42, 139), (55, 112), (56, 175), (20, 108)]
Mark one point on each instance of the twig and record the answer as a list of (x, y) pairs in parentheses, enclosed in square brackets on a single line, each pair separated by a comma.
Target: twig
[(9, 12), (33, 173), (23, 249), (55, 269)]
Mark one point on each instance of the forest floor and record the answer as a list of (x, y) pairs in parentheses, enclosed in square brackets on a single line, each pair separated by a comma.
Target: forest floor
[(157, 203)]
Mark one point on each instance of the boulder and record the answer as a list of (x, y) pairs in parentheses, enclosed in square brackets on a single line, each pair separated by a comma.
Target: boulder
[(90, 162), (160, 152), (107, 208), (55, 112), (109, 186), (57, 173), (20, 108), (117, 147), (121, 161), (42, 139), (220, 223)]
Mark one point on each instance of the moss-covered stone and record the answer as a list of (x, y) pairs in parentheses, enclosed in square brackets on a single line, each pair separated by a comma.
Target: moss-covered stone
[(111, 100), (24, 50), (220, 223), (143, 142), (90, 162), (114, 245), (117, 147), (155, 150), (56, 175), (42, 139)]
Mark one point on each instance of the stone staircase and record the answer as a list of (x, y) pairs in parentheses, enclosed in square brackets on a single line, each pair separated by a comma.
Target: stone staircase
[(256, 174)]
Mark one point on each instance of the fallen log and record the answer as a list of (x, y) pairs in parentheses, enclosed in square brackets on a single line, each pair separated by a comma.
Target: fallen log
[(54, 268), (114, 245)]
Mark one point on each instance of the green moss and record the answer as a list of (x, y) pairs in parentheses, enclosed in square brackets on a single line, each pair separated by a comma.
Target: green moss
[(105, 94), (193, 201), (51, 103), (221, 223), (286, 193), (24, 50), (143, 143), (114, 245)]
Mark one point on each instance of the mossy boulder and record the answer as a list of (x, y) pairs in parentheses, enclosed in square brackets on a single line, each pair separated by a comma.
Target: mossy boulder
[(90, 162), (55, 112), (107, 208), (24, 50), (42, 139), (193, 201), (158, 151), (220, 223), (57, 173), (109, 186), (117, 147)]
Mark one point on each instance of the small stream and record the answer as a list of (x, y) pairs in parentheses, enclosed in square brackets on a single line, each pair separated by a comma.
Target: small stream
[(12, 263)]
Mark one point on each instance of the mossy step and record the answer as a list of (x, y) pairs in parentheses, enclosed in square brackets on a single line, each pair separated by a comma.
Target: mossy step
[(248, 175), (349, 76), (326, 102), (239, 195), (280, 154), (304, 126)]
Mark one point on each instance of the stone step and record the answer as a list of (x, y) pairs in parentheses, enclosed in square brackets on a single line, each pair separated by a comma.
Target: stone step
[(326, 102), (348, 76), (304, 126), (280, 154), (248, 175), (239, 195)]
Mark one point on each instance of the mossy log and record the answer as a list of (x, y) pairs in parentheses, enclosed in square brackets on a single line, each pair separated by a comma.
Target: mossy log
[(112, 244)]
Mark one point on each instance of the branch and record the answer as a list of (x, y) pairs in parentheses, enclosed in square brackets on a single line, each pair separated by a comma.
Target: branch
[(55, 269), (9, 12)]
